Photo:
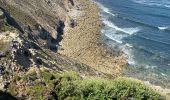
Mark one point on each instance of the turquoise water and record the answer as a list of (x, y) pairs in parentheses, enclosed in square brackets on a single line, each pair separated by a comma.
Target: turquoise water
[(141, 29)]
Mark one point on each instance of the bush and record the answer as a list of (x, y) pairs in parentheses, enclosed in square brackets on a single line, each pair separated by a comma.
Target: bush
[(4, 26), (95, 89), (70, 86)]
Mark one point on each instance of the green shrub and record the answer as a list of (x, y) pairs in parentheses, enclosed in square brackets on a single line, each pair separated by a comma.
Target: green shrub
[(95, 89), (70, 86), (4, 26)]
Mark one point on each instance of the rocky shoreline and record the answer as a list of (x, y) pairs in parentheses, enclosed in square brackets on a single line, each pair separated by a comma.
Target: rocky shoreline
[(87, 46), (83, 42)]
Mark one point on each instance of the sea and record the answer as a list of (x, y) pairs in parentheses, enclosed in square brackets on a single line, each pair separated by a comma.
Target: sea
[(140, 29)]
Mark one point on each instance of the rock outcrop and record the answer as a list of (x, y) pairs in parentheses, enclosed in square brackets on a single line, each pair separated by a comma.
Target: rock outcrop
[(42, 20), (1, 14)]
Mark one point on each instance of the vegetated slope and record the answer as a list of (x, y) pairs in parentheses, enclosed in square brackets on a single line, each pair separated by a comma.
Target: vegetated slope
[(66, 86)]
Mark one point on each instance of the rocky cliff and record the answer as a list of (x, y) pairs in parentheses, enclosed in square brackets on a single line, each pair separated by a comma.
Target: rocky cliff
[(42, 21), (30, 33)]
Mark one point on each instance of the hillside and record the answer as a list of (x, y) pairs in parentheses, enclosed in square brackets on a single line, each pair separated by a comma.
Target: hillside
[(40, 41)]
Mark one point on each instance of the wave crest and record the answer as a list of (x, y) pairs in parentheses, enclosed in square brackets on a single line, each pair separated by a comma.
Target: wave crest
[(129, 31), (162, 28), (106, 10)]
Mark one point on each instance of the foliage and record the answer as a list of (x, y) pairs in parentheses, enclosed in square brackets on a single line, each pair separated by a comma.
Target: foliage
[(70, 86), (4, 26), (120, 88)]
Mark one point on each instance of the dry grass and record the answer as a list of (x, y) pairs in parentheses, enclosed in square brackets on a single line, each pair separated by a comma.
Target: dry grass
[(4, 46)]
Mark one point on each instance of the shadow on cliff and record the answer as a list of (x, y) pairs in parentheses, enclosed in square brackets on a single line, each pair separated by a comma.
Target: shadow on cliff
[(22, 57), (11, 21), (6, 96), (52, 43), (60, 31)]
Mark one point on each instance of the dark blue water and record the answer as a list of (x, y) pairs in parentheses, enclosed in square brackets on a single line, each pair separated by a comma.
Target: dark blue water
[(141, 29)]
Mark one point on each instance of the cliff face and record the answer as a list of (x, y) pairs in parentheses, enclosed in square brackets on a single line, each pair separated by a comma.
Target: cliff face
[(30, 33), (43, 20)]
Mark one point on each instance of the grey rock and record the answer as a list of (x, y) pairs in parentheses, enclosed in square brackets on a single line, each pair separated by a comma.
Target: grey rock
[(2, 54), (1, 14)]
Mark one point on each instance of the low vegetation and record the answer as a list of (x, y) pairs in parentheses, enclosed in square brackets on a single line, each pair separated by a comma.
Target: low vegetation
[(4, 26), (70, 86)]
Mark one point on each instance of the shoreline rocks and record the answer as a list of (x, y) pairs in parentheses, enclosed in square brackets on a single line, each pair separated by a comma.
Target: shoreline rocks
[(81, 42)]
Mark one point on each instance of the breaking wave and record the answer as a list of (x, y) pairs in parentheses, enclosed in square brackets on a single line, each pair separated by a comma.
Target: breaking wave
[(129, 31)]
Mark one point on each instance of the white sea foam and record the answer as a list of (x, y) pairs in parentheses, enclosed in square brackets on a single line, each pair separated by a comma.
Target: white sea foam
[(128, 50), (163, 74), (129, 54), (105, 9), (116, 38), (150, 67), (129, 31), (168, 6), (162, 28), (112, 34), (128, 45)]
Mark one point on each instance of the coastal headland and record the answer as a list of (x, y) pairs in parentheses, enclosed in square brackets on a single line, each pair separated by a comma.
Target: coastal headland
[(53, 50)]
